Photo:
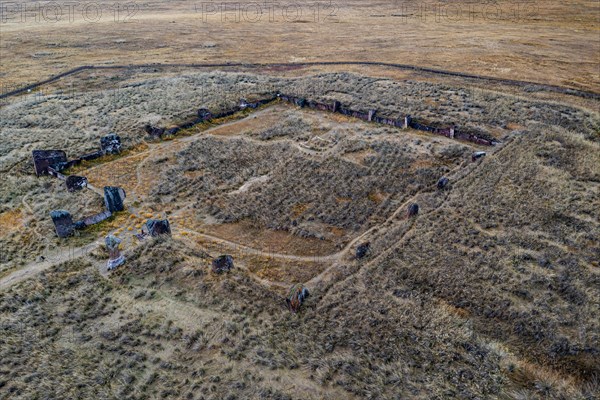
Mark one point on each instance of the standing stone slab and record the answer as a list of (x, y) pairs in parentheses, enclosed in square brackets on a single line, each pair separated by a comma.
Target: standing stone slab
[(443, 183), (113, 198), (63, 223), (336, 106), (115, 258), (42, 159), (363, 250), (156, 227), (75, 183), (111, 144), (222, 264), (204, 114), (477, 155), (371, 115), (413, 210), (298, 293)]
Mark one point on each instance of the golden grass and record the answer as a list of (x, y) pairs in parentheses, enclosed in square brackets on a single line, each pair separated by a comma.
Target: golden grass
[(562, 40)]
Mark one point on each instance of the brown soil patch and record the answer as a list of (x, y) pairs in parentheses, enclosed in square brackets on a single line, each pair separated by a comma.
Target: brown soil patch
[(10, 221), (268, 240)]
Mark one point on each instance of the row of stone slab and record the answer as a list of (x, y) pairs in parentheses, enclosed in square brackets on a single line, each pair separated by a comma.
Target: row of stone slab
[(204, 115), (371, 116), (152, 228), (364, 249), (52, 162), (63, 221)]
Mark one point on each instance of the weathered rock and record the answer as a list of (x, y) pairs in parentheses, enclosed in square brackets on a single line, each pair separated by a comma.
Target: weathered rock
[(413, 210), (300, 102), (298, 293), (244, 104), (113, 198), (115, 258), (371, 115), (79, 225), (154, 131), (477, 155), (336, 106), (443, 183), (75, 183), (63, 223), (96, 218), (205, 114), (222, 264), (156, 227), (111, 144), (42, 159), (172, 131), (363, 250), (92, 156)]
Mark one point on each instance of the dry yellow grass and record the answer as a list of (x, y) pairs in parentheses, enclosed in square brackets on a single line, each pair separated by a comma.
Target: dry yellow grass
[(559, 38)]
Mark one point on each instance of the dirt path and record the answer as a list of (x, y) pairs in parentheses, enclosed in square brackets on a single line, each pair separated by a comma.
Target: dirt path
[(35, 268), (460, 173)]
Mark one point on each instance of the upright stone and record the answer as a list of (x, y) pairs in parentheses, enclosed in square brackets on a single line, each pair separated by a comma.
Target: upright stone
[(298, 293), (336, 106), (413, 210), (371, 115), (222, 264), (113, 198), (153, 131), (63, 223), (111, 144), (115, 258), (156, 227), (42, 159), (407, 121), (477, 155), (76, 183), (443, 183), (205, 114), (362, 250), (300, 102)]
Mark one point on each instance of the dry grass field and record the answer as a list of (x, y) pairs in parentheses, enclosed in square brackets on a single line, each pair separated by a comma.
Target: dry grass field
[(490, 292), (551, 41)]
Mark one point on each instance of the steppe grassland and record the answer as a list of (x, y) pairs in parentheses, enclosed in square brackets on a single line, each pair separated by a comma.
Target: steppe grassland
[(439, 312), (559, 38)]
